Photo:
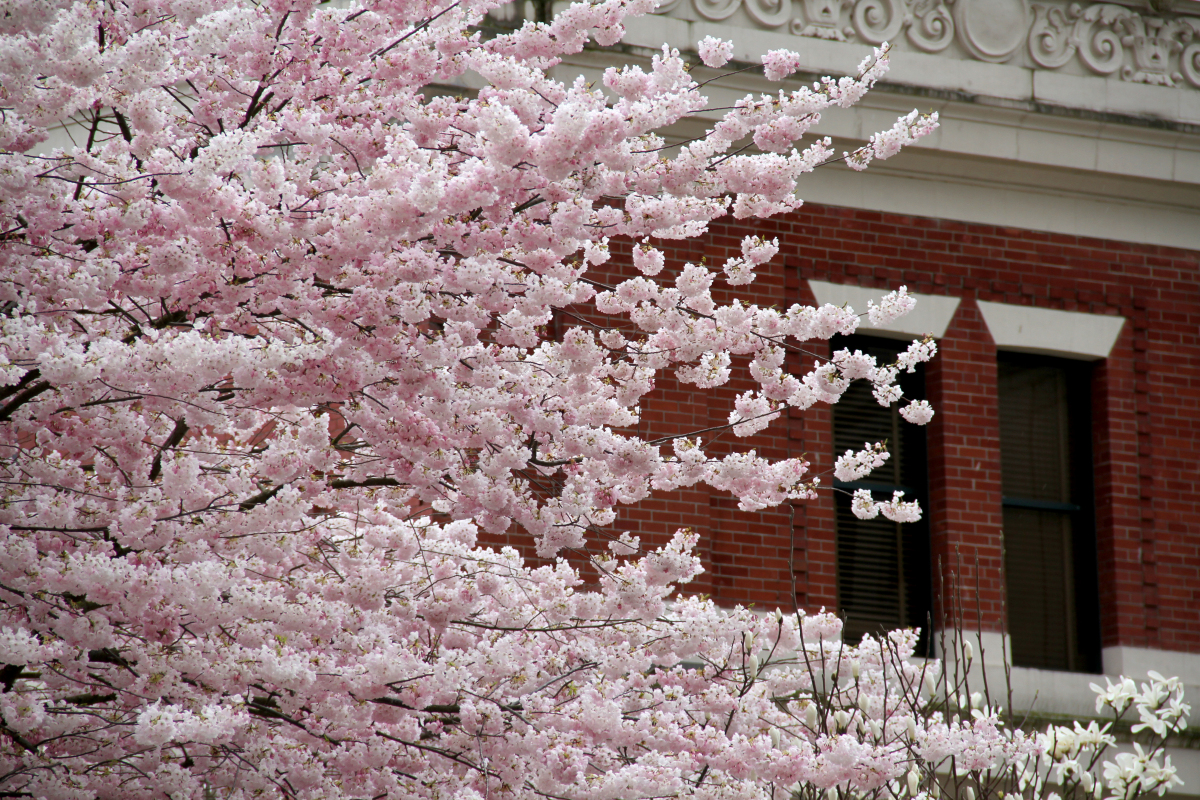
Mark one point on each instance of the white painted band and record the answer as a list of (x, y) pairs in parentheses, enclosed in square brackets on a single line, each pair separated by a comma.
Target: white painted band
[(1070, 334), (932, 314)]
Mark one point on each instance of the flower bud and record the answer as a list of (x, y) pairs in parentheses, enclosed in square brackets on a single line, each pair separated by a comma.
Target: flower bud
[(1088, 781), (968, 651), (748, 641), (876, 729), (914, 781), (752, 668), (810, 716), (969, 793), (778, 616), (912, 729), (976, 700), (864, 702), (775, 738), (855, 670)]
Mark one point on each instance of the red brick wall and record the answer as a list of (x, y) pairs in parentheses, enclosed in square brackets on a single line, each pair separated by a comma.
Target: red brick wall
[(1146, 412)]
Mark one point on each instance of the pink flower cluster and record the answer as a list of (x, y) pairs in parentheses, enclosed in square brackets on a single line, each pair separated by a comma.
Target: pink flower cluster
[(289, 325)]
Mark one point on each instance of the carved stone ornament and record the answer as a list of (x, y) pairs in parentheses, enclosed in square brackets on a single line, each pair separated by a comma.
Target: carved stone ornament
[(929, 23), (1189, 59), (1107, 38), (716, 10), (991, 30), (1154, 41), (932, 27), (769, 13), (823, 20)]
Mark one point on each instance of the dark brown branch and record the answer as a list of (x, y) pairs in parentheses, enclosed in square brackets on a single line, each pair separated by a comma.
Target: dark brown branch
[(126, 133), (89, 699), (343, 483), (26, 379), (9, 674), (23, 398), (260, 498), (172, 441), (18, 738), (96, 529), (422, 26)]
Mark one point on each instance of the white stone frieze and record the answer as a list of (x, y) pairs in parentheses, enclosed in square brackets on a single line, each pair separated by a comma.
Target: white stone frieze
[(1124, 41)]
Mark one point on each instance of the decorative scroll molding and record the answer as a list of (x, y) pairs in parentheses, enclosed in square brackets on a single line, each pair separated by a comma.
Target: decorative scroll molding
[(767, 13), (823, 19), (1108, 38), (930, 26), (1105, 38), (716, 10)]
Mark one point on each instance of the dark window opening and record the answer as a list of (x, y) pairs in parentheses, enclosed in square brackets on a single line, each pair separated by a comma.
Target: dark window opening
[(1049, 525), (883, 568)]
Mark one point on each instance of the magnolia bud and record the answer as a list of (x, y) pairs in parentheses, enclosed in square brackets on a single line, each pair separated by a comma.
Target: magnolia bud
[(930, 682), (752, 669), (876, 730), (855, 670), (962, 700), (969, 793), (912, 729), (976, 700), (864, 702), (748, 641), (842, 719), (775, 738), (968, 651), (810, 716), (778, 617), (1098, 790), (914, 781)]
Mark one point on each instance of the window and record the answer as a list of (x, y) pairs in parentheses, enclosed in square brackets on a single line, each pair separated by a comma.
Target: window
[(1049, 536), (883, 572)]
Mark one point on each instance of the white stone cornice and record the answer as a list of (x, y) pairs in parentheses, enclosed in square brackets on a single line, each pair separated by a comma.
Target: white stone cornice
[(1127, 41), (1116, 58)]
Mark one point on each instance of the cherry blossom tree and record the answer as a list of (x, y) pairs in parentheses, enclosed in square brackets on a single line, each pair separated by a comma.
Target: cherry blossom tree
[(273, 356)]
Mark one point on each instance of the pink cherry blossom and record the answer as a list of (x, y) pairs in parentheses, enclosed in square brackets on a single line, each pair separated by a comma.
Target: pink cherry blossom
[(715, 52), (291, 331)]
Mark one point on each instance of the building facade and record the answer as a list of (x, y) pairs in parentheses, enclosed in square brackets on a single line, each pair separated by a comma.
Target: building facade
[(1050, 228)]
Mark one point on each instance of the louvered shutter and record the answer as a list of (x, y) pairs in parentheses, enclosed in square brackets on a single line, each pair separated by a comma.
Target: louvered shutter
[(882, 567)]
